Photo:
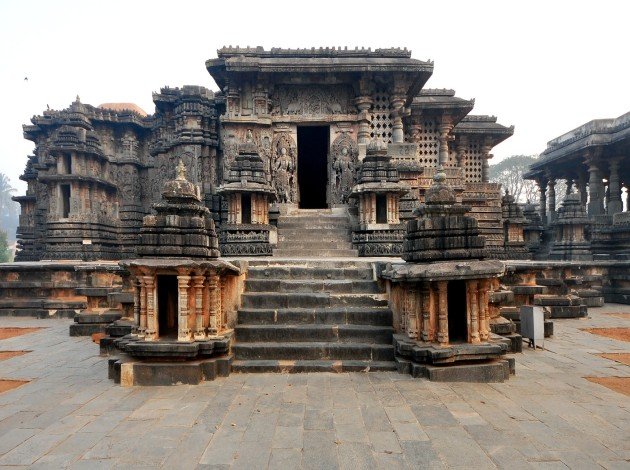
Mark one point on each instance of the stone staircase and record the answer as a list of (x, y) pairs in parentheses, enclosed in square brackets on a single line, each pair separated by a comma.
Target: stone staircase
[(315, 233), (316, 315)]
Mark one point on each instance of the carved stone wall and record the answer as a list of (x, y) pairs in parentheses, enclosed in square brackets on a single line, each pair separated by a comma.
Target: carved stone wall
[(313, 100)]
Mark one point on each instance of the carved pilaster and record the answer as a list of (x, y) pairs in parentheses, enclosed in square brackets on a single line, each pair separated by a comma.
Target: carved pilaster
[(444, 130), (614, 205), (595, 188), (542, 186), (142, 325), (412, 314), (200, 332), (363, 104), (473, 306), (183, 332), (484, 314), (426, 312), (152, 324), (137, 301), (215, 301), (442, 313), (397, 102), (485, 164), (551, 184)]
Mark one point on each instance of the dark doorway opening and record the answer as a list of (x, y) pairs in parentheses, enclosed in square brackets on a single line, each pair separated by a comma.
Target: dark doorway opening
[(65, 200), (381, 209), (457, 316), (313, 166), (246, 209), (167, 290)]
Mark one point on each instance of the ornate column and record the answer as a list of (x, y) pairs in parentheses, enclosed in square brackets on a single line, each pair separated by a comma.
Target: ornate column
[(183, 332), (412, 313), (137, 300), (425, 292), (462, 154), (542, 186), (473, 303), (200, 332), (442, 313), (397, 102), (485, 166), (142, 328), (363, 103), (152, 324), (551, 183), (595, 189), (444, 129), (484, 315), (215, 300), (614, 205), (581, 186)]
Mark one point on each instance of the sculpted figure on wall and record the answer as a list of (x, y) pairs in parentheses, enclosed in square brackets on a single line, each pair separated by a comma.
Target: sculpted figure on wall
[(344, 164), (284, 168), (313, 100)]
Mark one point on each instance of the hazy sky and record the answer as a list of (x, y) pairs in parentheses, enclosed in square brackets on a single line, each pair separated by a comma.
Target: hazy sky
[(543, 66)]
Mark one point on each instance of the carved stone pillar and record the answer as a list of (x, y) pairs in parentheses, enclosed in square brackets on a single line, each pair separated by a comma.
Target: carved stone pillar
[(462, 154), (595, 189), (137, 300), (152, 324), (484, 314), (200, 332), (551, 183), (444, 130), (442, 313), (614, 205), (485, 165), (363, 104), (473, 305), (542, 186), (412, 313), (183, 332), (215, 301), (398, 135), (425, 292), (392, 208), (142, 325)]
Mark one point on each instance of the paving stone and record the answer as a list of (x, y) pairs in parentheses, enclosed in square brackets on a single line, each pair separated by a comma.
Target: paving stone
[(354, 455), (351, 433), (384, 441), (318, 419), (288, 437), (421, 455), (283, 459), (433, 415)]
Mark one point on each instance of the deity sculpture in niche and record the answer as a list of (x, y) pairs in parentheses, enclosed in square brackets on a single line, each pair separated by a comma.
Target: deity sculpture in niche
[(230, 150), (284, 168), (344, 164)]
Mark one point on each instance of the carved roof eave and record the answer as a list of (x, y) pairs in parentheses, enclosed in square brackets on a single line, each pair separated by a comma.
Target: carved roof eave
[(444, 270), (453, 106), (492, 130), (249, 187), (221, 68), (174, 263), (379, 188)]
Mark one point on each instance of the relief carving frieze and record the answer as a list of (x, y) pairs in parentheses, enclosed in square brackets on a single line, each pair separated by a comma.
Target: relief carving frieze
[(284, 167), (311, 100)]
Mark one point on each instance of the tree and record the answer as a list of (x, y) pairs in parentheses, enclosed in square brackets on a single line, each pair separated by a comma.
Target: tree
[(5, 251), (509, 173), (9, 209)]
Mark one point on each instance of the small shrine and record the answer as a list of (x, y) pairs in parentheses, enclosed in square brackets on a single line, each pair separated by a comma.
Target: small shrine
[(513, 223), (379, 231), (533, 229), (569, 229), (248, 194), (179, 292), (440, 296)]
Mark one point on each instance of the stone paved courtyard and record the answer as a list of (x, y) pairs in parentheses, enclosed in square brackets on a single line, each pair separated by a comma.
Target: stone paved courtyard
[(547, 416)]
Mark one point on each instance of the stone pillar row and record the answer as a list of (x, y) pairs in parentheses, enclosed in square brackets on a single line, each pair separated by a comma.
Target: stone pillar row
[(425, 311), (199, 295)]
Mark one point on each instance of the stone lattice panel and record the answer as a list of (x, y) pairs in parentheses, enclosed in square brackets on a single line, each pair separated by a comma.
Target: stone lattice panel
[(429, 143), (473, 163), (381, 121)]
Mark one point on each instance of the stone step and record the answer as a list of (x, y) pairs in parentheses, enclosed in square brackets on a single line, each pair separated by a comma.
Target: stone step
[(298, 366), (297, 253), (311, 233), (380, 316), (314, 225), (313, 351), (306, 272), (306, 245), (305, 300), (314, 333), (311, 285)]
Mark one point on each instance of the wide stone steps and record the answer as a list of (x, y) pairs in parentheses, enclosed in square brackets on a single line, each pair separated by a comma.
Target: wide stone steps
[(381, 316), (315, 244), (311, 299), (322, 253), (266, 350), (313, 315), (298, 366), (314, 333)]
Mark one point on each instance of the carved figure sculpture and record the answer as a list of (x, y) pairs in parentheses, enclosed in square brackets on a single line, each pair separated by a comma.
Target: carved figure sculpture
[(344, 152), (284, 169)]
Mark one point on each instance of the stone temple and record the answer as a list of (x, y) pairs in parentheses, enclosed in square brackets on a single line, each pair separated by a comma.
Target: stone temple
[(324, 210)]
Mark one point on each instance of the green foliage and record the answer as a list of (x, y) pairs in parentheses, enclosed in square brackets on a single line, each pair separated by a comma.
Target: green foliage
[(9, 209), (509, 173), (5, 252)]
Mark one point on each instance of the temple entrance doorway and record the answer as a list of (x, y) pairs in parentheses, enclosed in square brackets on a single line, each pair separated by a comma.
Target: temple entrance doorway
[(167, 297), (457, 315), (313, 166)]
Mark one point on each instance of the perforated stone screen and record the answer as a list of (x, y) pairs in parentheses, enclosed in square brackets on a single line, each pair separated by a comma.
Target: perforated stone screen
[(381, 117)]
